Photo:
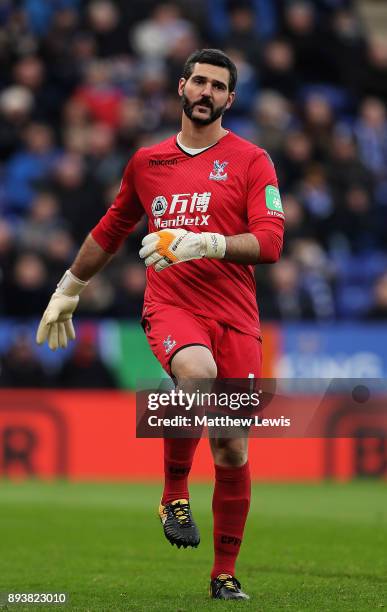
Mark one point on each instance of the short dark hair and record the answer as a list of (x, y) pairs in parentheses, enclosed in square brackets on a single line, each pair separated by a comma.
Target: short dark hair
[(215, 57)]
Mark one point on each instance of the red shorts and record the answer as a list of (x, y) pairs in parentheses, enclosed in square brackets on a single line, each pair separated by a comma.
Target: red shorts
[(169, 329)]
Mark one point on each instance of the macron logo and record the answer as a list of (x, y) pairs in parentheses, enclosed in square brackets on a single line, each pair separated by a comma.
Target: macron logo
[(162, 162)]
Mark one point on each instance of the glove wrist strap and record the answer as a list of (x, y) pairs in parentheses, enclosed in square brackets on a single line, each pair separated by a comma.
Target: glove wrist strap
[(214, 245), (70, 285)]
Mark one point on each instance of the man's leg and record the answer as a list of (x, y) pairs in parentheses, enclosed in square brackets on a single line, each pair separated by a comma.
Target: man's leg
[(239, 356), (231, 501), (191, 366), (169, 328), (193, 362)]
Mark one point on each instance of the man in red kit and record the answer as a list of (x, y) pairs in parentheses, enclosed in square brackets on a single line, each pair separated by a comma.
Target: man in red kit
[(214, 212)]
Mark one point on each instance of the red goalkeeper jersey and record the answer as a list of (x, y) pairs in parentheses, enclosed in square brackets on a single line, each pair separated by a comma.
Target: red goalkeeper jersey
[(230, 188)]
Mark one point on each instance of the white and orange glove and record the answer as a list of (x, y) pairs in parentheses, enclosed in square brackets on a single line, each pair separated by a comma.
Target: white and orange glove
[(56, 326), (173, 246)]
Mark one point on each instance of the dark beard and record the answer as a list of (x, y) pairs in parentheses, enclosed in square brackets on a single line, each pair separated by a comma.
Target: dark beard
[(188, 110)]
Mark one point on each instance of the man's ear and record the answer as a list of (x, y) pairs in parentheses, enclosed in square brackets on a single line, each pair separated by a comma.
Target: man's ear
[(181, 86), (230, 100)]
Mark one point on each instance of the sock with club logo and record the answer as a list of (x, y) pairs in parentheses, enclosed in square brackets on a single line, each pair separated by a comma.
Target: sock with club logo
[(230, 507), (178, 458)]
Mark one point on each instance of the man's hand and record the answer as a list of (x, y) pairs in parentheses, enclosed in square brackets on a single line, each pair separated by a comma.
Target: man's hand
[(56, 326), (170, 246)]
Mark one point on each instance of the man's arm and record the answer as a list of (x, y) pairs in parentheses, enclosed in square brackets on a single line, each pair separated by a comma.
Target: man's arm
[(167, 247), (91, 259), (56, 325), (242, 249)]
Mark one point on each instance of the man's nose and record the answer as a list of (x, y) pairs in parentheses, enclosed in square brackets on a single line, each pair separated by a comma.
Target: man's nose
[(206, 91)]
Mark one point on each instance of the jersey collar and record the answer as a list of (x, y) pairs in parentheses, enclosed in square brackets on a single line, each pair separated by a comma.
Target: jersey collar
[(201, 152)]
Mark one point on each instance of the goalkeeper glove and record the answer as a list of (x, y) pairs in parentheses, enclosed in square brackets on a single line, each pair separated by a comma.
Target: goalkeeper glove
[(56, 325), (171, 246)]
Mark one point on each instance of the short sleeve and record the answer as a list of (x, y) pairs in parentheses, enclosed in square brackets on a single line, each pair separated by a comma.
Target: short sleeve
[(264, 209), (123, 214)]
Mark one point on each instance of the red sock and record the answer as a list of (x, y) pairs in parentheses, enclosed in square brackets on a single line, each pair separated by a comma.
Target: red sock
[(178, 457), (230, 506)]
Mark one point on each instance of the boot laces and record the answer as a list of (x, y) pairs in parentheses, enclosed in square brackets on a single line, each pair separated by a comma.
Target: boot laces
[(228, 582), (181, 511)]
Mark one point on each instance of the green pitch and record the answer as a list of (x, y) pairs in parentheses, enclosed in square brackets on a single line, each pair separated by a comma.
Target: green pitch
[(307, 547)]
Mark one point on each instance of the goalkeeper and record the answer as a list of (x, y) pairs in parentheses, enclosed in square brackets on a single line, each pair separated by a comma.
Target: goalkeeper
[(214, 212)]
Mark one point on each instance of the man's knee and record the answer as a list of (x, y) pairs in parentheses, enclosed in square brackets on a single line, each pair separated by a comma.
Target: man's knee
[(197, 370), (229, 452), (193, 362)]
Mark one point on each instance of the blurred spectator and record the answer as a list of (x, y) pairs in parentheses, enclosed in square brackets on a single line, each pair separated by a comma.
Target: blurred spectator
[(319, 121), (278, 71), (79, 196), (178, 52), (16, 40), (295, 158), (42, 219), (298, 221), (41, 13), (170, 117), (247, 83), (76, 139), (263, 13), (273, 118), (75, 114), (346, 45), (378, 310), (56, 51), (16, 103), (242, 33), (59, 252), (20, 366), (111, 35), (286, 300), (130, 291), (344, 167), (7, 255), (371, 133), (30, 72), (98, 95), (85, 369), (132, 121), (26, 288), (6, 242), (317, 277), (97, 298), (156, 36), (25, 169), (83, 49), (374, 81), (152, 88), (315, 193), (302, 31), (354, 220), (104, 163)]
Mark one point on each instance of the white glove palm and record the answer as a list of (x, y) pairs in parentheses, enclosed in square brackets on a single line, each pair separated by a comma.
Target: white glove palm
[(56, 326), (169, 247)]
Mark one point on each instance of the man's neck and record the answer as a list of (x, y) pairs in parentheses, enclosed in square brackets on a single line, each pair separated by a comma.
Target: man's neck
[(200, 136)]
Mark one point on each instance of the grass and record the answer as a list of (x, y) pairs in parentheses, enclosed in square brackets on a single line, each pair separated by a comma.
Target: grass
[(307, 547)]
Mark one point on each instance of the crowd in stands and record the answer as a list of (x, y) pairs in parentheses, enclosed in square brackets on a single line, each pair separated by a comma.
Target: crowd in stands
[(84, 84)]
